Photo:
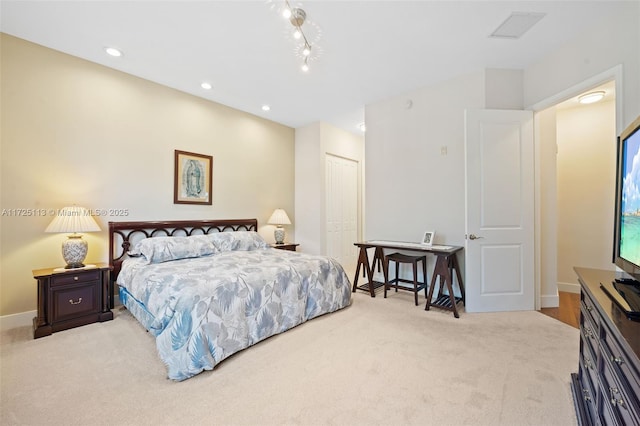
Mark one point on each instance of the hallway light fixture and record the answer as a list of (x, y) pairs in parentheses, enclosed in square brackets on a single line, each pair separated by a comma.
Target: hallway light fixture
[(591, 97)]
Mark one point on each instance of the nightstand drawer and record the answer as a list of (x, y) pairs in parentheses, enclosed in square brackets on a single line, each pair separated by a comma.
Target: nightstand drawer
[(73, 301), (75, 278), (72, 298)]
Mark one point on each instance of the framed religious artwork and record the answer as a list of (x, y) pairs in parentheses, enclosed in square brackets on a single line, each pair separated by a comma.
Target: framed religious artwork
[(192, 181)]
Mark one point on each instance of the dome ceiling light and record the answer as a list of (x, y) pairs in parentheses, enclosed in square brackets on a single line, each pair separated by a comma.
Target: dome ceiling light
[(591, 97)]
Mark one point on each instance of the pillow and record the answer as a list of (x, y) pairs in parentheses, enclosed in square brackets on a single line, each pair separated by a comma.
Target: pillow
[(237, 241), (163, 249)]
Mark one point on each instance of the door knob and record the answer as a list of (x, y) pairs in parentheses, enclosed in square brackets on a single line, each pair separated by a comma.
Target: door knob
[(474, 237)]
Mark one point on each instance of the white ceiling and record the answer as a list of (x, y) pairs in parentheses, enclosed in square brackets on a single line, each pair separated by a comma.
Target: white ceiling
[(370, 50)]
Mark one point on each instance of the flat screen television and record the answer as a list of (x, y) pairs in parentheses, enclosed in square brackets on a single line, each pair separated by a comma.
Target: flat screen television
[(626, 240)]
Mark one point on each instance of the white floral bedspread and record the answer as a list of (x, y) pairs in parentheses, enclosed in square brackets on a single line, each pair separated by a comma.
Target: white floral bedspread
[(204, 309)]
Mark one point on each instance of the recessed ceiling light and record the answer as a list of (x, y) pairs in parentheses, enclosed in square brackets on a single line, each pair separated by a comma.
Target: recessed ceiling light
[(266, 107), (206, 86), (113, 51), (590, 98)]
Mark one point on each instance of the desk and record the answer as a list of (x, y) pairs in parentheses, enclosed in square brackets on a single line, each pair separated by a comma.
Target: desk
[(446, 263)]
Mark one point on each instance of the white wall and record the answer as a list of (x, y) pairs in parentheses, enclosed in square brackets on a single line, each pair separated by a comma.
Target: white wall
[(613, 42), (308, 188), (546, 206), (74, 132), (503, 89), (312, 144), (415, 162)]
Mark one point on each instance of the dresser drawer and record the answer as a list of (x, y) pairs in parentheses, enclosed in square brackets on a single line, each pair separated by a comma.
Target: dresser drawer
[(588, 361), (620, 363), (77, 277), (588, 392), (621, 403), (589, 332), (589, 309), (76, 300)]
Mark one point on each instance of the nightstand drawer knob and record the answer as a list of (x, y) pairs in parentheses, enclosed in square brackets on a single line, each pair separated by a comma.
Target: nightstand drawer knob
[(79, 301), (75, 278)]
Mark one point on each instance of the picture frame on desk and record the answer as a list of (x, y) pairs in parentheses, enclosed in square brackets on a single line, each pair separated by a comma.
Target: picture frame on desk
[(427, 238)]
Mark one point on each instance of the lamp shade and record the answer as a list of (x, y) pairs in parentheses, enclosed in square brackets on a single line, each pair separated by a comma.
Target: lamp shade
[(279, 217), (72, 220)]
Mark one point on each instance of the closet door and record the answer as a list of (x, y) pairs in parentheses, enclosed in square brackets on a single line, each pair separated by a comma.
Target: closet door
[(341, 209)]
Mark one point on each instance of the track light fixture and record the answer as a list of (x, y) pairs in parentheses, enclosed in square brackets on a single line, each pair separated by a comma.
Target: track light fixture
[(297, 17)]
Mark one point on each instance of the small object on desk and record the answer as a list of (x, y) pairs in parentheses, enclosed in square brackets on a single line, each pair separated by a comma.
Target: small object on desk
[(72, 298), (285, 246), (428, 237), (441, 247)]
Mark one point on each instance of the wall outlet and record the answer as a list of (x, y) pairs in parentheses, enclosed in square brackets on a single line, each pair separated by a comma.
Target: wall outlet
[(443, 150)]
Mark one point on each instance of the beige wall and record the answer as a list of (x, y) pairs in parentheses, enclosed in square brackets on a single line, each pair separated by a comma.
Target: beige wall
[(73, 132), (586, 163)]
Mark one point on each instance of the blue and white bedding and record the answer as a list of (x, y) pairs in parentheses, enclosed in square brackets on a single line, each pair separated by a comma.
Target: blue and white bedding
[(204, 302)]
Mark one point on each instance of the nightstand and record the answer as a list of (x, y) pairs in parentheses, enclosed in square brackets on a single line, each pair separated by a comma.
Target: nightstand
[(285, 246), (70, 298)]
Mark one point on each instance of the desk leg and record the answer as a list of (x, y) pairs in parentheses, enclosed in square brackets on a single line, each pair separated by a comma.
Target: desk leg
[(442, 270), (363, 261), (454, 264), (368, 268)]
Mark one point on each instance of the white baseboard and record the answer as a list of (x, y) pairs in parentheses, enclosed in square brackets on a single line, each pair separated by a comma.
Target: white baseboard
[(22, 319), (569, 287), (549, 301)]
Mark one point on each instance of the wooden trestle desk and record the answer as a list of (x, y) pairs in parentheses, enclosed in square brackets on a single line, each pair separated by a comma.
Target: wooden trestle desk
[(446, 263)]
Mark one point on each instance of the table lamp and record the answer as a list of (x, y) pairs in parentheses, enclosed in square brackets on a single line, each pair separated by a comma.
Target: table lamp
[(279, 218), (72, 220)]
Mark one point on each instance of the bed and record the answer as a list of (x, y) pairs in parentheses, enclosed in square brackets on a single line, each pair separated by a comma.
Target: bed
[(208, 289)]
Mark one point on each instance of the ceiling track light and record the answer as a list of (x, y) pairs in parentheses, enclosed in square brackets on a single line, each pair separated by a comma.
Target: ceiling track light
[(297, 16)]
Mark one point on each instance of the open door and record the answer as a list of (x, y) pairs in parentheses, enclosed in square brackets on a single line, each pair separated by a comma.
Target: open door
[(499, 173)]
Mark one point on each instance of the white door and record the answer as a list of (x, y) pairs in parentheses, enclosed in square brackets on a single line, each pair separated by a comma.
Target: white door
[(342, 210), (499, 156)]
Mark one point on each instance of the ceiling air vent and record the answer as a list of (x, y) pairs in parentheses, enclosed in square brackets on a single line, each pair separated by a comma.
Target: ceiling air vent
[(517, 24)]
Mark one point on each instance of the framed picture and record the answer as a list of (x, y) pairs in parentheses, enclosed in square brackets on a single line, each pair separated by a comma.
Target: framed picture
[(192, 178), (427, 239)]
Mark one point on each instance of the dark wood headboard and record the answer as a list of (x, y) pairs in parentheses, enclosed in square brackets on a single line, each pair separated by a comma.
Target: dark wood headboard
[(123, 234)]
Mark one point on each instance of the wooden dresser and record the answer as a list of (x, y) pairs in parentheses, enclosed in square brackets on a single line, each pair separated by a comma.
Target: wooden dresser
[(606, 388)]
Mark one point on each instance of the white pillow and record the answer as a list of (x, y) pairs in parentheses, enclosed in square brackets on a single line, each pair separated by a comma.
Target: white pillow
[(163, 249), (237, 241)]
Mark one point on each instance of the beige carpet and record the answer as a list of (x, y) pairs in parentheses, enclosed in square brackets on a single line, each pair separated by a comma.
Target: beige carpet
[(380, 361)]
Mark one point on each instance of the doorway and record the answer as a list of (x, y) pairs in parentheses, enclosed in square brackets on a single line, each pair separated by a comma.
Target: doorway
[(576, 181)]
